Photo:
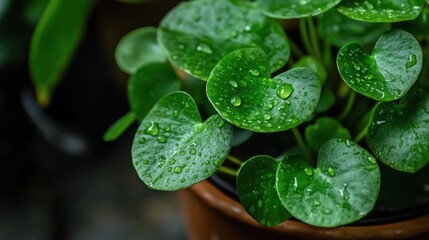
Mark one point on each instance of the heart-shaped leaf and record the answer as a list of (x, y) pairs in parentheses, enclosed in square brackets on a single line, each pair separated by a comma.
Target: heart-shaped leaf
[(342, 189), (148, 85), (389, 72), (241, 90), (289, 9), (399, 133), (170, 149), (137, 49), (381, 11), (196, 37), (322, 130), (256, 188), (338, 29), (119, 127)]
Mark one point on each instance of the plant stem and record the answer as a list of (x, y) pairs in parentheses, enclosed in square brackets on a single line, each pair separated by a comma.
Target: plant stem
[(295, 49), (349, 105), (227, 171), (234, 160), (364, 130), (303, 146), (313, 38), (327, 55), (304, 36)]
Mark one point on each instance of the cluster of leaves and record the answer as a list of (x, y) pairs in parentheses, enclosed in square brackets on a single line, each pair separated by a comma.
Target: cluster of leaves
[(231, 60)]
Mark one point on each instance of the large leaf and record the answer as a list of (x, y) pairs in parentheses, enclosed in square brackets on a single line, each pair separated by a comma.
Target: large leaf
[(256, 188), (381, 11), (241, 90), (399, 133), (54, 41), (342, 189), (170, 149), (288, 9), (388, 73), (196, 37)]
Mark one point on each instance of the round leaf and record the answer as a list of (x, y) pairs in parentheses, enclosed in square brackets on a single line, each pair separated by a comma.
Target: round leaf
[(138, 48), (196, 37), (399, 133), (389, 72), (170, 149), (288, 9), (324, 129), (241, 90), (381, 11), (256, 188), (148, 85), (338, 29), (342, 189)]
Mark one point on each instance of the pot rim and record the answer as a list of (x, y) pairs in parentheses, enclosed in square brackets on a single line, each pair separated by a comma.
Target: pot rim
[(215, 198)]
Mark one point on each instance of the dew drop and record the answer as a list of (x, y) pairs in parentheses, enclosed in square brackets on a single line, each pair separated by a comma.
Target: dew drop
[(331, 172), (284, 90), (195, 176), (146, 162), (372, 160), (202, 47), (142, 140), (233, 83), (192, 151), (260, 203), (412, 61), (316, 203), (153, 129), (235, 101), (178, 170), (162, 139), (254, 72), (167, 128), (182, 180), (221, 123), (175, 113), (309, 171), (267, 117)]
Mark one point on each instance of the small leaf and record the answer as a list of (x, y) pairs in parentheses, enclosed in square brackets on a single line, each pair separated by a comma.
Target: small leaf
[(241, 90), (338, 29), (399, 133), (137, 49), (119, 127), (313, 64), (342, 189), (196, 37), (148, 85), (55, 39), (323, 130), (256, 188), (170, 149), (389, 72), (381, 11), (326, 101), (288, 9)]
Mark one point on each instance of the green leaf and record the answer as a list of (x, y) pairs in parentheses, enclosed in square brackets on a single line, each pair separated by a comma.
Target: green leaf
[(119, 127), (324, 129), (419, 26), (381, 11), (148, 85), (256, 188), (326, 101), (240, 136), (170, 149), (399, 133), (342, 189), (313, 64), (338, 29), (288, 9), (137, 49), (241, 90), (389, 72), (55, 39), (196, 37)]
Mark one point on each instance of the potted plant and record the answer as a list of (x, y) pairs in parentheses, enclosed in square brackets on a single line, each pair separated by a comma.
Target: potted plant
[(303, 105)]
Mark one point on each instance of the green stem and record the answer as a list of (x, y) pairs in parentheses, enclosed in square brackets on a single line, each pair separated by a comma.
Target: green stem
[(364, 130), (234, 160), (349, 105), (303, 146), (227, 171), (304, 36), (327, 54), (313, 38)]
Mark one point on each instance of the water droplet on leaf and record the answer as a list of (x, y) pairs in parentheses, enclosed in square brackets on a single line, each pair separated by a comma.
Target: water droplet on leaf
[(284, 90), (236, 101)]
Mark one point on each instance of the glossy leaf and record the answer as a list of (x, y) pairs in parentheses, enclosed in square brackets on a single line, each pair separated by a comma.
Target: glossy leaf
[(324, 129), (148, 85), (381, 11), (119, 127), (196, 37), (338, 29), (55, 39), (241, 90), (137, 49), (388, 73), (170, 149), (289, 9), (399, 133), (342, 189), (419, 26), (256, 188)]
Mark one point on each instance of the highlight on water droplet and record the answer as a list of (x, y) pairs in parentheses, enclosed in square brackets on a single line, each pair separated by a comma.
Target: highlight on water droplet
[(146, 162), (254, 72), (142, 140), (162, 139), (175, 113), (309, 171), (178, 170), (267, 117), (202, 47), (331, 172), (192, 151), (236, 101), (412, 61), (284, 90), (233, 84), (153, 129)]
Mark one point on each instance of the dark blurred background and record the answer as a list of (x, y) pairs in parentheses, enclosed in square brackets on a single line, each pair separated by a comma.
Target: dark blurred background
[(58, 179)]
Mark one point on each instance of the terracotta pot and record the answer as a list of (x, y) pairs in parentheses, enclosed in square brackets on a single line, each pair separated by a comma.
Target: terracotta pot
[(212, 215)]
